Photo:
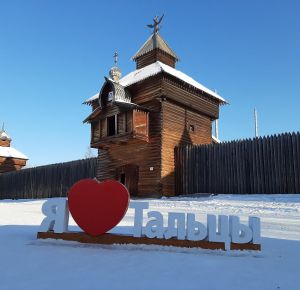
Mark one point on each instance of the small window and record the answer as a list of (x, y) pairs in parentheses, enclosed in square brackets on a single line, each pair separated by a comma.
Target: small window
[(111, 126), (110, 96), (191, 128)]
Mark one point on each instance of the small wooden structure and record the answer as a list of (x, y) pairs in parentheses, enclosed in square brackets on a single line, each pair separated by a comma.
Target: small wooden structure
[(139, 119), (10, 158)]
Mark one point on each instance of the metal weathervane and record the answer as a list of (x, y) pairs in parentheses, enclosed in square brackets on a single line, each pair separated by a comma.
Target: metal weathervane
[(157, 20), (116, 55)]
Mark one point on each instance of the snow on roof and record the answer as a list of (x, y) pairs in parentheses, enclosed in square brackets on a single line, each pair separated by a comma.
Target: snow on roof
[(94, 97), (216, 139), (4, 135), (11, 152), (156, 68)]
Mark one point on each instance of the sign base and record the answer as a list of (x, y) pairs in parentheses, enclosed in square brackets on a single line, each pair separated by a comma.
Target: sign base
[(109, 239)]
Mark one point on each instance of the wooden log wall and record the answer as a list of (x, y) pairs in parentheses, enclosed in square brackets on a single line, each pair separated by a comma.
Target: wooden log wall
[(153, 56), (139, 153), (176, 131), (261, 165), (5, 143), (140, 122), (189, 98), (11, 164), (45, 181)]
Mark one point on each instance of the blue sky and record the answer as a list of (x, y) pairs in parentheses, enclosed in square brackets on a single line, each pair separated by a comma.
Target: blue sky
[(54, 55)]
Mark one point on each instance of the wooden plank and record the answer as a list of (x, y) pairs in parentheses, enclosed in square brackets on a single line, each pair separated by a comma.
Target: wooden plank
[(110, 239), (248, 246)]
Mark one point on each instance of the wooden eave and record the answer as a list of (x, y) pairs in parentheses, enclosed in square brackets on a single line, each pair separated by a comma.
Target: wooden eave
[(131, 106), (182, 84), (93, 115), (127, 106), (90, 103), (106, 142), (188, 106)]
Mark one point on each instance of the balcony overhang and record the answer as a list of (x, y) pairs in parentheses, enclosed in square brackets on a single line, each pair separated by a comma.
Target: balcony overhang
[(119, 139), (124, 105)]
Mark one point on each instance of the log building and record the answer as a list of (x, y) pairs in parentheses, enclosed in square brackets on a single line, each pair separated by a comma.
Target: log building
[(10, 158), (137, 120)]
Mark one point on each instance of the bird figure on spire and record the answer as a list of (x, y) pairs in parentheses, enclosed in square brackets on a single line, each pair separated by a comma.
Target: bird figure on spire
[(156, 23), (116, 55)]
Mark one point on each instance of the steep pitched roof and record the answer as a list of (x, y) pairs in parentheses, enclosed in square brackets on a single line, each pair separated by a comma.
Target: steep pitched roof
[(153, 42), (3, 134), (121, 93)]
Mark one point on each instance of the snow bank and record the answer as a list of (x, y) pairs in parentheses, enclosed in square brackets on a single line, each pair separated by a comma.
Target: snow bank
[(28, 263)]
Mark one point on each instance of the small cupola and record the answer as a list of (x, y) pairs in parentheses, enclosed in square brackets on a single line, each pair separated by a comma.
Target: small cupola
[(155, 49), (115, 73), (4, 138), (112, 91)]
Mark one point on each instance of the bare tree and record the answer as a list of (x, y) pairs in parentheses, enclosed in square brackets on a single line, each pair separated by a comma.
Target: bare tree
[(89, 153)]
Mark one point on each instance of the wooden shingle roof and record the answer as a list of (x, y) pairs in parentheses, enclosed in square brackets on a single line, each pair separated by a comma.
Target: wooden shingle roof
[(155, 41)]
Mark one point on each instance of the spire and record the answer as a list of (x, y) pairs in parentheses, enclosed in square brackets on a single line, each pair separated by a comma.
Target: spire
[(115, 73), (155, 48)]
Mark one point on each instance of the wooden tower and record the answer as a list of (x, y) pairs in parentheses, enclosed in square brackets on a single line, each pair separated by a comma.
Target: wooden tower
[(10, 158), (138, 120)]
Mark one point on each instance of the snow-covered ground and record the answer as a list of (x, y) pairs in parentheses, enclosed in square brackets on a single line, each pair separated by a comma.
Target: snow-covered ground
[(30, 264)]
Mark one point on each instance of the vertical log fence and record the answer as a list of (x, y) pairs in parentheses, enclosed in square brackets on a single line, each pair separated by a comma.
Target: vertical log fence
[(52, 180), (262, 165)]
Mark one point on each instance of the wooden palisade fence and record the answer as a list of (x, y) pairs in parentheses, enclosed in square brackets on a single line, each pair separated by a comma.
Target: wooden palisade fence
[(262, 165), (46, 181)]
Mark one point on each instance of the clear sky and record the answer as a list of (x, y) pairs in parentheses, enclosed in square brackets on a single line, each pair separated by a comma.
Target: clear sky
[(54, 55)]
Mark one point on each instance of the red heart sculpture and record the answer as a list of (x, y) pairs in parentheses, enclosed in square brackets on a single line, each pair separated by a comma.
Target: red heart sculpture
[(96, 206)]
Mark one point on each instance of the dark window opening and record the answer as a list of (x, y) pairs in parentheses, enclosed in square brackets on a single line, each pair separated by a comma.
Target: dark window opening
[(126, 122), (122, 178), (192, 128), (111, 126)]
